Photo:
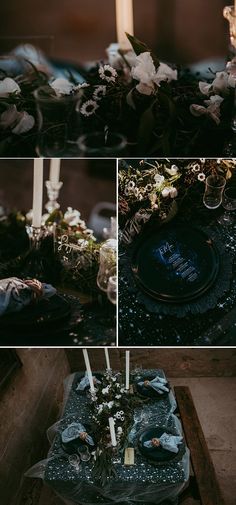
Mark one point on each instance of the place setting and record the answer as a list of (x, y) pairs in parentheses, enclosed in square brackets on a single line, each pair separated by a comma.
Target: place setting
[(176, 253), (126, 104), (57, 275), (111, 439)]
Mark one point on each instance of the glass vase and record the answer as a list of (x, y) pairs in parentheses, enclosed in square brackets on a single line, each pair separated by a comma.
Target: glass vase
[(58, 124)]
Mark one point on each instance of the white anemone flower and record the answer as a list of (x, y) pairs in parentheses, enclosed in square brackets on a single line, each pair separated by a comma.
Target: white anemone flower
[(221, 84), (18, 122), (62, 86), (107, 73), (212, 110), (8, 86), (145, 72)]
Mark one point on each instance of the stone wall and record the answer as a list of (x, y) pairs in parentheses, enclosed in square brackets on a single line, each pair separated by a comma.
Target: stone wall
[(29, 404)]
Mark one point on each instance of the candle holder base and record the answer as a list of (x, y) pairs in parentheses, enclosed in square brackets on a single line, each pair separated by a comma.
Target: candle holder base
[(53, 189), (36, 235)]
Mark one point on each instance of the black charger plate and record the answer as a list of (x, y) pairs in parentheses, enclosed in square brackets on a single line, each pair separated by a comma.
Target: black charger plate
[(46, 314), (158, 455), (149, 392), (175, 264)]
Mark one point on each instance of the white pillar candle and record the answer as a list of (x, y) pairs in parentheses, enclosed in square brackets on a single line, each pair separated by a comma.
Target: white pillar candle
[(37, 193), (124, 22), (55, 170), (112, 431), (127, 369), (89, 372), (108, 365)]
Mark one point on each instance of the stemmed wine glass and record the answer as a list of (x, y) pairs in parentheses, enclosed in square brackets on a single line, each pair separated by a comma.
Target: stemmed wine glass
[(229, 204)]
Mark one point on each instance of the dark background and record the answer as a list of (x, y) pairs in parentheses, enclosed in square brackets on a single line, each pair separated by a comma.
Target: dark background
[(180, 30), (85, 183)]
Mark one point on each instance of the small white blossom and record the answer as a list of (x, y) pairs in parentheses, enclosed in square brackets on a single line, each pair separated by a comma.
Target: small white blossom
[(99, 92), (196, 168), (72, 217), (165, 192), (107, 73), (119, 430), (105, 391), (9, 86), (201, 177), (118, 397), (131, 185), (88, 108), (159, 179), (173, 192), (173, 170)]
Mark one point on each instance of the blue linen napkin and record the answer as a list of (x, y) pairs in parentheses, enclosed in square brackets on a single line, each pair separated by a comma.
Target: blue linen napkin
[(158, 384), (73, 431), (15, 294), (168, 442)]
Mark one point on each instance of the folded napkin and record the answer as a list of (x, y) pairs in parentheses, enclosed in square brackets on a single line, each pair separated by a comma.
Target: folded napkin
[(168, 442), (84, 383), (158, 384), (74, 431), (16, 294)]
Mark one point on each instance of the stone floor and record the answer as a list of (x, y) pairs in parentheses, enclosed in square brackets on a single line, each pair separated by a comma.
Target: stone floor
[(215, 401)]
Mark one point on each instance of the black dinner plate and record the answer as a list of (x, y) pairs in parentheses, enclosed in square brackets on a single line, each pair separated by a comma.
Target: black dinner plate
[(149, 392), (158, 455), (175, 264), (44, 314)]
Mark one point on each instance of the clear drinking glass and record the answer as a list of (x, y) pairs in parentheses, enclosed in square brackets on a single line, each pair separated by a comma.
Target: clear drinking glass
[(112, 289), (57, 122), (107, 262), (103, 145), (74, 461), (229, 204), (84, 453), (213, 191)]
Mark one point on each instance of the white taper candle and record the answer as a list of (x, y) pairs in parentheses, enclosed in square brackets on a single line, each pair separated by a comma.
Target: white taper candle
[(55, 170), (112, 431), (124, 22), (89, 372), (37, 193), (127, 366), (108, 365)]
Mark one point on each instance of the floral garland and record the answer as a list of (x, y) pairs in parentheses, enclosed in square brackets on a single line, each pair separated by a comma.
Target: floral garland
[(160, 110), (155, 188), (111, 399)]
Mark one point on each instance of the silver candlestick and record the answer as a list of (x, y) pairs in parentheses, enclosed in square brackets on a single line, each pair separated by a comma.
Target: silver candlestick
[(53, 189), (36, 234)]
